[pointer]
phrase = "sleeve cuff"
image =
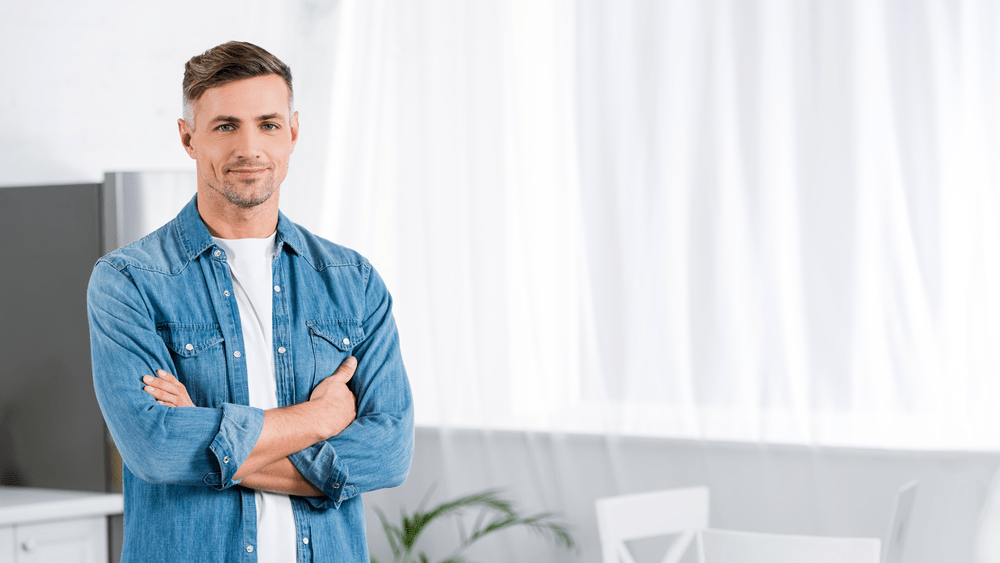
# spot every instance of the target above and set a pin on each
(320, 465)
(238, 433)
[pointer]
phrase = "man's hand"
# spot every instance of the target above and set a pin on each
(330, 409)
(339, 404)
(167, 390)
(332, 395)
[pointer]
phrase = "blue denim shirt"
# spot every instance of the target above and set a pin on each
(166, 302)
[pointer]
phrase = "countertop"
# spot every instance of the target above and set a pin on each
(21, 505)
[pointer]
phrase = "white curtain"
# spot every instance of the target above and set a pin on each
(769, 221)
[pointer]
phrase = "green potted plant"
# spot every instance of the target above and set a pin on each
(494, 514)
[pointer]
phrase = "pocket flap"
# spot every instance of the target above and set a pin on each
(189, 340)
(344, 335)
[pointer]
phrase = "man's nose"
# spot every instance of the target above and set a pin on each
(248, 144)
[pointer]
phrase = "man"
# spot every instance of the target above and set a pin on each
(249, 371)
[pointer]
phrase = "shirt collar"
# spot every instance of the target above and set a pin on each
(196, 239)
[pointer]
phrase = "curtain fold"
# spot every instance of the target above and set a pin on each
(757, 221)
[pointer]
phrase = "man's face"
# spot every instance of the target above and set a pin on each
(242, 139)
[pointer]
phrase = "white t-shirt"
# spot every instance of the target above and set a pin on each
(250, 264)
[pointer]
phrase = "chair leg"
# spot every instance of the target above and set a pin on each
(678, 548)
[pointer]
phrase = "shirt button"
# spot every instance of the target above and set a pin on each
(226, 293)
(347, 342)
(189, 347)
(281, 349)
(305, 541)
(249, 549)
(277, 288)
(225, 459)
(217, 254)
(336, 485)
(237, 353)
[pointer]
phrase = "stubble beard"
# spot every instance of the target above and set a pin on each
(242, 194)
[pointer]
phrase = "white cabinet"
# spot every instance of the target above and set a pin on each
(6, 544)
(83, 540)
(46, 526)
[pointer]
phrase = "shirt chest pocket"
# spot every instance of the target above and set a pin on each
(199, 360)
(332, 343)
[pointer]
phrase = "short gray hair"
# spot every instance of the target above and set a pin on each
(229, 62)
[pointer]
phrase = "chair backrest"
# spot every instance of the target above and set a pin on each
(645, 515)
(899, 525)
(726, 546)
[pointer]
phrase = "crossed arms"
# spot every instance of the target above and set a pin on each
(338, 444)
(329, 410)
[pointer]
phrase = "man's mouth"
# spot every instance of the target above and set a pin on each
(248, 172)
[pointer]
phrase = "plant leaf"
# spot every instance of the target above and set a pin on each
(551, 530)
(489, 499)
(427, 497)
(403, 538)
(539, 523)
(391, 532)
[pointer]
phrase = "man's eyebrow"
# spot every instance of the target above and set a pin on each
(231, 119)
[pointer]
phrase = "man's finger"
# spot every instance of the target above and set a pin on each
(168, 389)
(173, 387)
(346, 369)
(155, 382)
(160, 394)
(164, 374)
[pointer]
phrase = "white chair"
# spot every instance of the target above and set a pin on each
(986, 548)
(658, 513)
(726, 546)
(899, 524)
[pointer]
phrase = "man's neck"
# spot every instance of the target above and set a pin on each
(228, 221)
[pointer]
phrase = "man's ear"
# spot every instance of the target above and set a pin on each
(295, 129)
(186, 137)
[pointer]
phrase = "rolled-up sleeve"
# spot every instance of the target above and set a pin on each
(158, 443)
(376, 450)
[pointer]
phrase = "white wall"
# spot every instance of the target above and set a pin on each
(758, 487)
(92, 87)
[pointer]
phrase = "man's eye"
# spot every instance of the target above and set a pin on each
(269, 127)
(225, 127)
